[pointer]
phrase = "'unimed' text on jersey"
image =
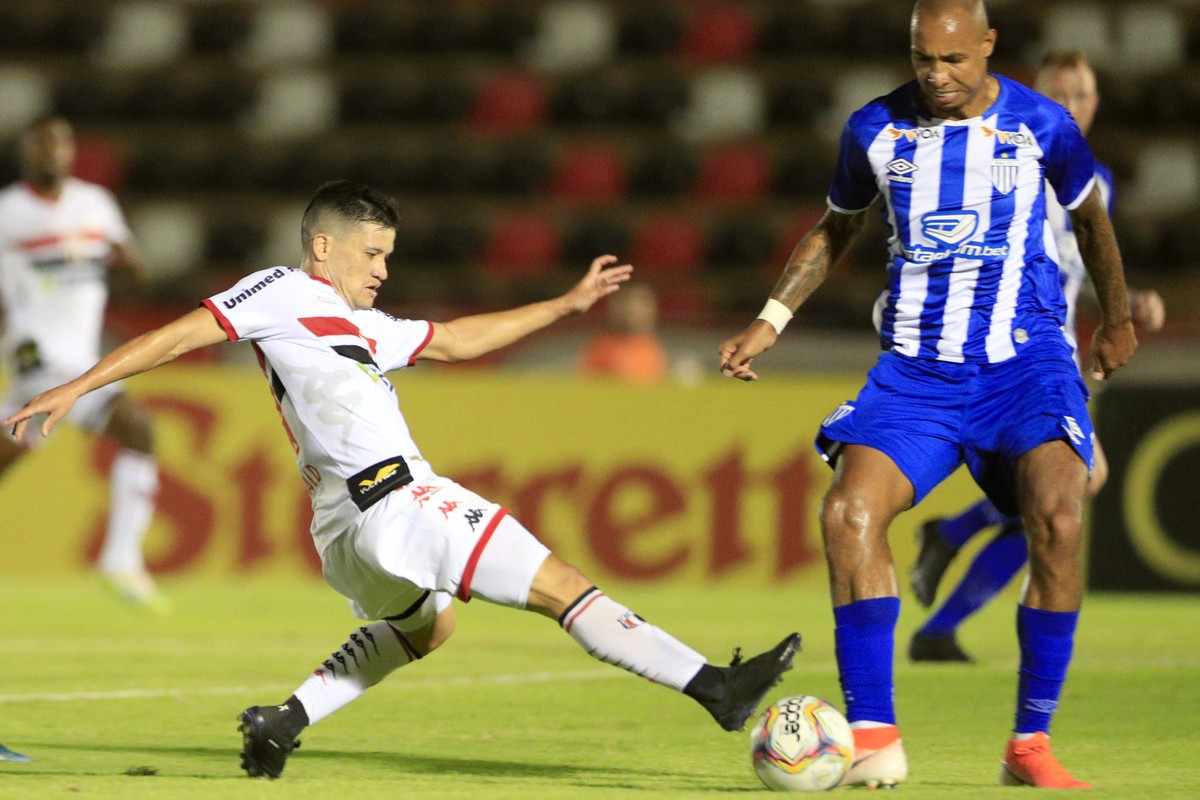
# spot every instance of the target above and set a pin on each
(53, 257)
(326, 365)
(969, 274)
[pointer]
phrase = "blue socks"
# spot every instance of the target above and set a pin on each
(1046, 639)
(958, 530)
(865, 634)
(994, 566)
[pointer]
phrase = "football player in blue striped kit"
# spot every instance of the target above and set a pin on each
(1065, 77)
(976, 368)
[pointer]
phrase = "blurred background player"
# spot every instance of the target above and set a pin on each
(977, 367)
(58, 236)
(12, 755)
(629, 348)
(1067, 78)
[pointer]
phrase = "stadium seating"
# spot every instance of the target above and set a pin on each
(523, 246)
(590, 173)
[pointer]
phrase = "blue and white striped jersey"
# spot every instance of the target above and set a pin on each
(969, 274)
(1071, 272)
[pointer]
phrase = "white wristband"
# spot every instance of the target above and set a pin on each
(777, 314)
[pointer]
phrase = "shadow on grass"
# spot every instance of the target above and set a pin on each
(396, 763)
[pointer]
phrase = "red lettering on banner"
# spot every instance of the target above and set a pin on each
(609, 537)
(253, 478)
(792, 481)
(303, 534)
(529, 500)
(726, 482)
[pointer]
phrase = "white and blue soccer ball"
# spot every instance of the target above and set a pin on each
(801, 744)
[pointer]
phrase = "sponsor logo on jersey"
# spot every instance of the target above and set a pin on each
(1004, 174)
(247, 293)
(371, 484)
(949, 227)
(913, 134)
(900, 170)
(919, 254)
(1018, 138)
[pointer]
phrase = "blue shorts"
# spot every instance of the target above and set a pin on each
(931, 416)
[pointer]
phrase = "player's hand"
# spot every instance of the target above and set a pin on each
(1112, 347)
(1147, 308)
(601, 280)
(55, 404)
(738, 353)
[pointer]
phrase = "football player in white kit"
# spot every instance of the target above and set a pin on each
(1067, 78)
(397, 539)
(58, 237)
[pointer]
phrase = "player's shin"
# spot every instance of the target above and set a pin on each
(612, 633)
(367, 657)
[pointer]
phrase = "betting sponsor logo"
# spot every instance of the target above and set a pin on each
(246, 294)
(949, 227)
(913, 134)
(900, 170)
(1018, 138)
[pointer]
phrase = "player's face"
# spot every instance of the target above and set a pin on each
(950, 56)
(1074, 88)
(358, 262)
(48, 152)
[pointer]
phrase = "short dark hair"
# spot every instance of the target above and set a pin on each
(1064, 59)
(351, 202)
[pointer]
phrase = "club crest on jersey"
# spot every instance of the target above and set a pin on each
(949, 227)
(900, 170)
(1004, 174)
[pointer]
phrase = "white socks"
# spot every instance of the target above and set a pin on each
(368, 656)
(617, 636)
(133, 484)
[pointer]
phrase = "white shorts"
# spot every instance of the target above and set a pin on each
(90, 412)
(432, 537)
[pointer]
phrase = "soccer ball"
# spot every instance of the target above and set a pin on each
(801, 744)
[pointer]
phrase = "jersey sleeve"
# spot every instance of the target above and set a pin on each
(256, 307)
(116, 229)
(853, 188)
(1070, 167)
(398, 342)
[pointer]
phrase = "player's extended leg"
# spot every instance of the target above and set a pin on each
(939, 541)
(615, 635)
(369, 654)
(133, 486)
(990, 571)
(1051, 480)
(868, 491)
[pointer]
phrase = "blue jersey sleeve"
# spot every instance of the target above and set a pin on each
(1070, 167)
(853, 188)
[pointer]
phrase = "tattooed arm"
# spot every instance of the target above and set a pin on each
(806, 269)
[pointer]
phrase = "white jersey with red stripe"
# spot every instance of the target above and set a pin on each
(53, 258)
(326, 365)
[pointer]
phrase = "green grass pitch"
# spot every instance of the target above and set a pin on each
(99, 695)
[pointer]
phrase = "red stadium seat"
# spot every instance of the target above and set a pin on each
(734, 174)
(523, 246)
(719, 35)
(98, 162)
(590, 173)
(509, 103)
(667, 245)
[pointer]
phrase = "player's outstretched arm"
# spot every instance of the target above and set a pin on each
(470, 337)
(806, 269)
(192, 331)
(1114, 341)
